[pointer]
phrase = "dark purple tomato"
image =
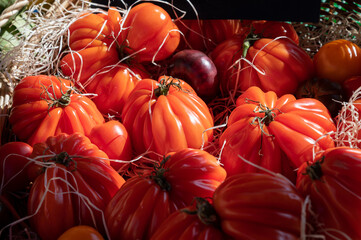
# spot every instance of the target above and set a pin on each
(198, 70)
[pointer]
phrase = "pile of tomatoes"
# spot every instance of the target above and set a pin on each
(130, 139)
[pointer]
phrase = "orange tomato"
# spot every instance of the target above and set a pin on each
(81, 232)
(338, 60)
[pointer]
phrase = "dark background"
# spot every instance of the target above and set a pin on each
(281, 10)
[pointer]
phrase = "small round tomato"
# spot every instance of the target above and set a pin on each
(338, 60)
(81, 232)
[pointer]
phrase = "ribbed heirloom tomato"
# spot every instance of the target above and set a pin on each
(166, 116)
(333, 181)
(73, 183)
(278, 134)
(146, 200)
(198, 221)
(148, 32)
(278, 65)
(259, 206)
(45, 106)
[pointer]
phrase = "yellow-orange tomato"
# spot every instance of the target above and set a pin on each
(338, 60)
(82, 232)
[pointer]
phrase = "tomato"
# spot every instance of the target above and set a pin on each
(145, 201)
(274, 29)
(197, 69)
(351, 85)
(205, 34)
(113, 139)
(45, 106)
(73, 187)
(112, 87)
(148, 32)
(198, 221)
(92, 45)
(329, 93)
(82, 232)
(338, 60)
(259, 206)
(165, 116)
(332, 181)
(13, 163)
(278, 134)
(225, 57)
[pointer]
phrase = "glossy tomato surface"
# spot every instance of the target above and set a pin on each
(45, 106)
(145, 201)
(338, 60)
(259, 206)
(278, 134)
(166, 116)
(149, 33)
(332, 181)
(73, 186)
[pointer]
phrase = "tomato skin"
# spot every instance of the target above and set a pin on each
(334, 189)
(113, 139)
(145, 201)
(259, 206)
(149, 27)
(205, 34)
(166, 123)
(274, 29)
(60, 186)
(35, 115)
(82, 232)
(351, 85)
(285, 138)
(338, 60)
(13, 161)
(92, 45)
(187, 224)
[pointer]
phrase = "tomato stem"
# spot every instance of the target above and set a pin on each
(315, 170)
(165, 84)
(64, 159)
(158, 175)
(205, 212)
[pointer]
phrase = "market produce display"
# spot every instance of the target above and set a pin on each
(126, 123)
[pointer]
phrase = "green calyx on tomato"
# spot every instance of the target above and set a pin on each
(205, 212)
(269, 114)
(64, 159)
(165, 84)
(314, 171)
(158, 175)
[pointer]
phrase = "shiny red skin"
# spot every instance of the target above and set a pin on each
(141, 204)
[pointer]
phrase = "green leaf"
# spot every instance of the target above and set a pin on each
(4, 4)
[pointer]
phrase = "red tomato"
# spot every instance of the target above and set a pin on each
(272, 65)
(274, 29)
(45, 106)
(166, 116)
(81, 232)
(113, 139)
(198, 221)
(148, 32)
(145, 201)
(13, 163)
(92, 45)
(278, 134)
(351, 85)
(332, 181)
(338, 60)
(259, 206)
(112, 87)
(205, 34)
(75, 184)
